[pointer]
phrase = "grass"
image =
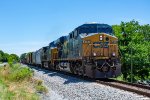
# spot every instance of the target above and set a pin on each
(17, 83)
(4, 93)
(120, 78)
(135, 78)
(39, 87)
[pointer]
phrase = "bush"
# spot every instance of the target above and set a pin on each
(41, 88)
(11, 89)
(39, 82)
(15, 72)
(20, 74)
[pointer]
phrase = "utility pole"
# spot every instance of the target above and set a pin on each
(131, 67)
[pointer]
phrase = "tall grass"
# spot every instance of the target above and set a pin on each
(15, 73)
(39, 87)
(16, 84)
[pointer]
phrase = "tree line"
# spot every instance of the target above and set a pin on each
(134, 46)
(5, 57)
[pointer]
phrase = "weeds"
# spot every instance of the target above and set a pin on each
(15, 73)
(40, 87)
(16, 83)
(20, 74)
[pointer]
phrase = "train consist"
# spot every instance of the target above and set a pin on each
(89, 50)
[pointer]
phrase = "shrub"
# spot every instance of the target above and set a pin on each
(20, 74)
(41, 88)
(11, 89)
(39, 82)
(15, 72)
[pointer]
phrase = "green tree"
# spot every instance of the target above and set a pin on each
(13, 58)
(5, 57)
(1, 55)
(23, 57)
(136, 38)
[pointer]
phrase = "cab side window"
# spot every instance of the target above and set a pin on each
(71, 36)
(75, 34)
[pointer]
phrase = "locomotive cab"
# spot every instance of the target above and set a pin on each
(101, 51)
(93, 51)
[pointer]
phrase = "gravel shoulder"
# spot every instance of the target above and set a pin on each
(63, 87)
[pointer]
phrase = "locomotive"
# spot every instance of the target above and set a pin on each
(89, 50)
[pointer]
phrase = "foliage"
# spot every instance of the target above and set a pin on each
(40, 87)
(39, 82)
(23, 57)
(4, 94)
(134, 44)
(1, 56)
(15, 83)
(12, 58)
(20, 74)
(16, 73)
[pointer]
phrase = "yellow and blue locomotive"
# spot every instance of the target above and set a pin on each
(89, 50)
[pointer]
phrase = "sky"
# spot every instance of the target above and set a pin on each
(28, 25)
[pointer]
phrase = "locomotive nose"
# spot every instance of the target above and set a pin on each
(105, 68)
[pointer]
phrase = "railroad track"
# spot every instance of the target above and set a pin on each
(136, 88)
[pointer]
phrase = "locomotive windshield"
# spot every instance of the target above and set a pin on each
(95, 28)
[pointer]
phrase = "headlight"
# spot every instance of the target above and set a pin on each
(113, 54)
(101, 54)
(94, 54)
(101, 37)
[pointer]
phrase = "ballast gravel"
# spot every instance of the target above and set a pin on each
(63, 87)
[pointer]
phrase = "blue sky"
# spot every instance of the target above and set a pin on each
(28, 25)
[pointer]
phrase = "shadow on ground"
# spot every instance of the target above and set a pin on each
(70, 78)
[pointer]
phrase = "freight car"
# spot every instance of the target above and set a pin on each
(89, 50)
(38, 57)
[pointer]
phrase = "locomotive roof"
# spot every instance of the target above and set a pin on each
(45, 47)
(94, 28)
(59, 40)
(86, 28)
(94, 24)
